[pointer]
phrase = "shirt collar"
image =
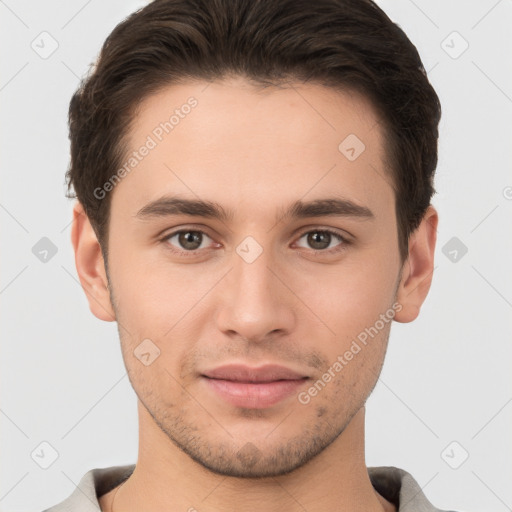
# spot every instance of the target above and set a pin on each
(394, 484)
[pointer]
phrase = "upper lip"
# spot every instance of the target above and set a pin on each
(242, 373)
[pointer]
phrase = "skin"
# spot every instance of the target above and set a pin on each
(253, 152)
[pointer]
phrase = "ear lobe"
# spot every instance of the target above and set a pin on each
(90, 265)
(418, 268)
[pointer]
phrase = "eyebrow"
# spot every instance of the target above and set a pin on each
(333, 207)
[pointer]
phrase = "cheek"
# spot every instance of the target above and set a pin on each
(350, 302)
(347, 298)
(148, 288)
(164, 304)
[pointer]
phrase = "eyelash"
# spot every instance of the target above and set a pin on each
(339, 248)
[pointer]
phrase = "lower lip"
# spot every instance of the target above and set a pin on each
(254, 395)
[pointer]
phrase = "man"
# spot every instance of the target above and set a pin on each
(254, 182)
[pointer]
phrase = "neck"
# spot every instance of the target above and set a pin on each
(165, 478)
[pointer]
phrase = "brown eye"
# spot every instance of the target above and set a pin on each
(320, 239)
(186, 240)
(190, 240)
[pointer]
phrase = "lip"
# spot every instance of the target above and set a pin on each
(253, 388)
(243, 373)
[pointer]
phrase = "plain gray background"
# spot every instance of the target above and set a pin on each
(445, 392)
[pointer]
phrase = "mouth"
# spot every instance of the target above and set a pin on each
(253, 388)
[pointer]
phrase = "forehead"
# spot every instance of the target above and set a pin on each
(236, 144)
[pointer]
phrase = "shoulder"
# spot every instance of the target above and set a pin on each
(92, 485)
(399, 487)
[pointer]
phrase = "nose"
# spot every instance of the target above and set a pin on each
(255, 301)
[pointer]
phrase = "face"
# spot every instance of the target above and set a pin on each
(246, 279)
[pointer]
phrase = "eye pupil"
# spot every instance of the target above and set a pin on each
(192, 240)
(319, 237)
(188, 239)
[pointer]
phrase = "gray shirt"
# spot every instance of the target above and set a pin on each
(396, 485)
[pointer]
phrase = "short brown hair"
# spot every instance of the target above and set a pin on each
(343, 44)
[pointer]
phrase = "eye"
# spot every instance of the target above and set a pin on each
(321, 239)
(186, 240)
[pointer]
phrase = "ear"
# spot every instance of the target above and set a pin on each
(418, 269)
(90, 265)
